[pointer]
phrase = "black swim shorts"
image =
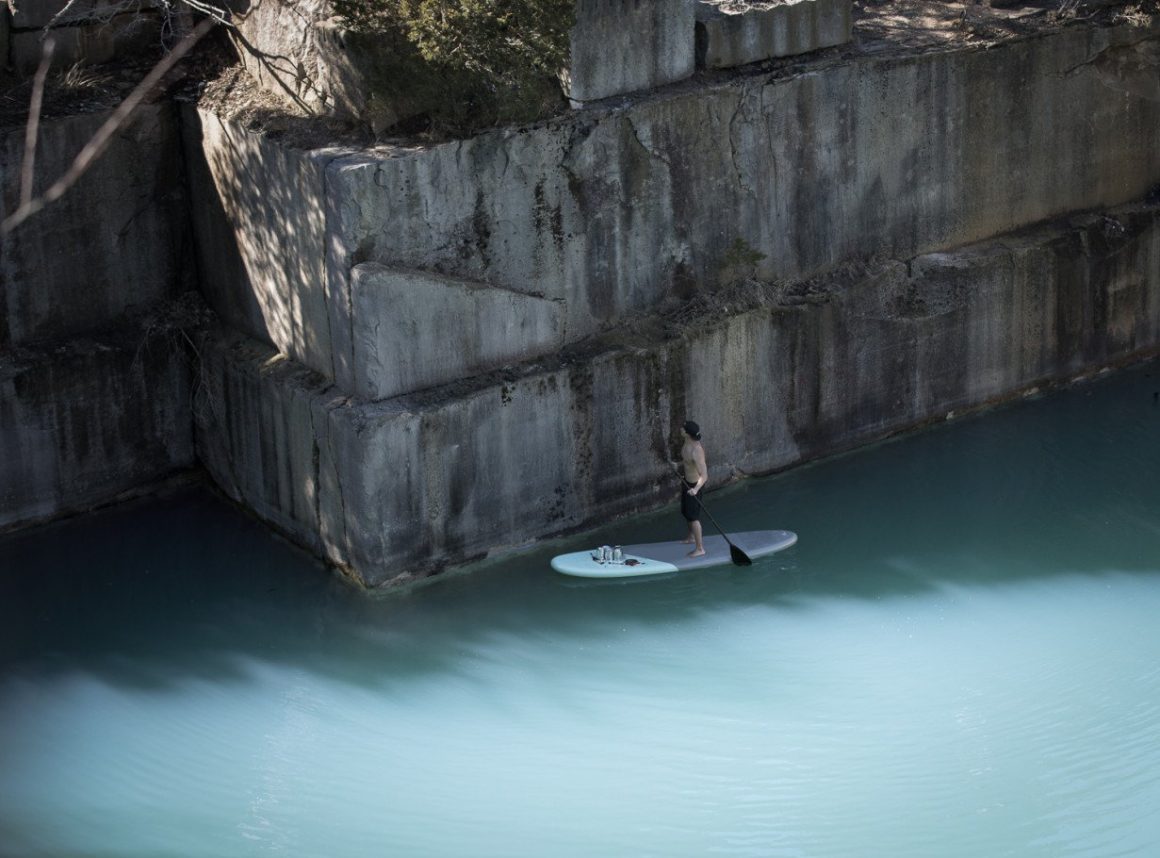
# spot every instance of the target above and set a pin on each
(690, 504)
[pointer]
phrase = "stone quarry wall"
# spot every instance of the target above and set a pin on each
(116, 243)
(621, 46)
(399, 488)
(94, 389)
(259, 215)
(85, 31)
(427, 354)
(365, 406)
(84, 422)
(728, 37)
(303, 53)
(614, 211)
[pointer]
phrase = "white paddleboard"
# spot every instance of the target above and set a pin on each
(660, 558)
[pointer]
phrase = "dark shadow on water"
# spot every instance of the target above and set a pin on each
(156, 593)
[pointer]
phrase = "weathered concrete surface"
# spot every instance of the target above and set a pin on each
(726, 38)
(398, 488)
(296, 50)
(414, 330)
(615, 210)
(84, 422)
(37, 14)
(623, 46)
(259, 216)
(94, 41)
(257, 434)
(114, 244)
(844, 364)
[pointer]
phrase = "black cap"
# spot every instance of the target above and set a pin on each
(692, 430)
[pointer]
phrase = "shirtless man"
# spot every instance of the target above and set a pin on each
(695, 475)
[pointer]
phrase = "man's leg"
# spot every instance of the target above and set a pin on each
(689, 512)
(695, 528)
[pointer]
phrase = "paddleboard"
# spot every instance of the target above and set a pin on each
(661, 558)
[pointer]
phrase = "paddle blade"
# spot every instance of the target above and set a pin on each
(740, 558)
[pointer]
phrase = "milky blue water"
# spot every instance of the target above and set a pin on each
(961, 657)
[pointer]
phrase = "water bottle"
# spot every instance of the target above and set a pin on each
(617, 555)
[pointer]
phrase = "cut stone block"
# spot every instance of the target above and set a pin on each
(414, 330)
(114, 244)
(615, 208)
(259, 211)
(35, 14)
(83, 423)
(392, 490)
(735, 34)
(92, 44)
(621, 46)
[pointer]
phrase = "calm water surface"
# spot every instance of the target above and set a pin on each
(961, 657)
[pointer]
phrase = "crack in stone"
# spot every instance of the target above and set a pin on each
(640, 142)
(737, 114)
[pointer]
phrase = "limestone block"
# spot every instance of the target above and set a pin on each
(414, 330)
(84, 423)
(616, 210)
(259, 214)
(36, 14)
(401, 488)
(621, 46)
(738, 382)
(256, 433)
(734, 34)
(99, 42)
(114, 244)
(385, 489)
(626, 410)
(278, 47)
(453, 478)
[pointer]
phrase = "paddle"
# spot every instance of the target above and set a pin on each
(739, 557)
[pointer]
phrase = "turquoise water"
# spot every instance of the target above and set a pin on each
(959, 658)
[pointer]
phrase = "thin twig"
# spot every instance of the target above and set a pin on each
(27, 169)
(100, 141)
(218, 13)
(64, 11)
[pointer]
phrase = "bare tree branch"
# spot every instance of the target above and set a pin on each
(219, 13)
(100, 141)
(28, 168)
(61, 14)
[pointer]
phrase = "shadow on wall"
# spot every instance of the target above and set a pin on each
(259, 220)
(154, 594)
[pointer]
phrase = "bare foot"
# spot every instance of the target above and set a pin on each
(700, 552)
(688, 541)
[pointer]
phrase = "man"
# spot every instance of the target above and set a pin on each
(695, 475)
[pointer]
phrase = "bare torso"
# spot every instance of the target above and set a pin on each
(693, 463)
